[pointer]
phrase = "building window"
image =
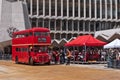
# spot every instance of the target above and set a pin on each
(91, 26)
(64, 7)
(82, 8)
(92, 8)
(98, 9)
(87, 8)
(46, 7)
(70, 8)
(34, 7)
(46, 23)
(75, 35)
(58, 7)
(53, 7)
(40, 22)
(52, 24)
(108, 9)
(76, 8)
(103, 25)
(112, 25)
(63, 35)
(70, 25)
(75, 25)
(118, 6)
(103, 8)
(87, 26)
(52, 35)
(113, 9)
(107, 25)
(80, 25)
(97, 25)
(58, 25)
(69, 36)
(40, 7)
(57, 36)
(34, 20)
(64, 25)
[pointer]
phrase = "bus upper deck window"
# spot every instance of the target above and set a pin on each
(44, 33)
(37, 34)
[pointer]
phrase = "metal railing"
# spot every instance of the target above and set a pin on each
(5, 56)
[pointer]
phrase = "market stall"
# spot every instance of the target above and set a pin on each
(86, 41)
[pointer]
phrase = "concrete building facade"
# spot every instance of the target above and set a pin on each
(70, 18)
(13, 17)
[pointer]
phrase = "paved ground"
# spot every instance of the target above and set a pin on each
(11, 71)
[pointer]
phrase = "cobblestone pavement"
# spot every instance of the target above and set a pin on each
(11, 71)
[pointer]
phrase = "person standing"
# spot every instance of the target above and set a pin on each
(68, 55)
(62, 57)
(56, 56)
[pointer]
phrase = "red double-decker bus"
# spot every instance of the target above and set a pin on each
(31, 46)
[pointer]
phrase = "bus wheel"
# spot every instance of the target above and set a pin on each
(31, 62)
(16, 60)
(48, 63)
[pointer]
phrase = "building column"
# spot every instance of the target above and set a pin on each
(72, 26)
(37, 22)
(43, 23)
(56, 8)
(54, 36)
(55, 25)
(43, 7)
(89, 26)
(116, 4)
(66, 25)
(60, 25)
(49, 24)
(73, 8)
(90, 9)
(111, 9)
(67, 8)
(83, 26)
(84, 8)
(37, 7)
(49, 7)
(105, 9)
(100, 9)
(79, 8)
(101, 25)
(61, 8)
(94, 26)
(95, 9)
(78, 26)
(60, 36)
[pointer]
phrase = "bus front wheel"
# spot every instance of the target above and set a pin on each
(31, 62)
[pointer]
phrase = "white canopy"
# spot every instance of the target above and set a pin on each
(114, 44)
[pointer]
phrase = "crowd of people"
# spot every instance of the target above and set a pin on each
(61, 56)
(113, 59)
(66, 55)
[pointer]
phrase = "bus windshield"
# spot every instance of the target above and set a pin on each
(41, 33)
(40, 48)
